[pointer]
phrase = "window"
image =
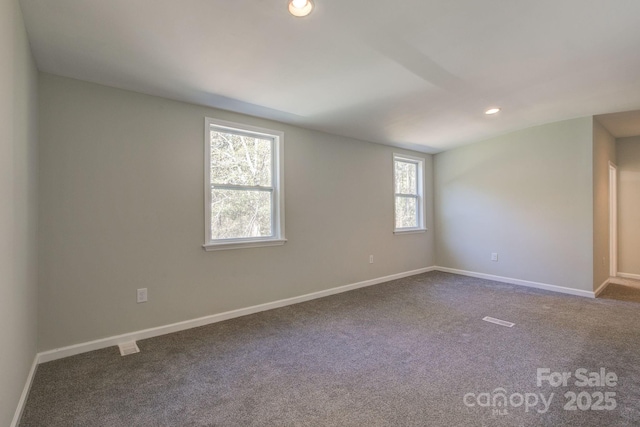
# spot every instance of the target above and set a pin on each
(408, 184)
(244, 199)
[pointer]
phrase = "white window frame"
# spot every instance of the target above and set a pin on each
(420, 206)
(277, 187)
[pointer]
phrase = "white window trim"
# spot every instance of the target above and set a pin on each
(420, 202)
(409, 230)
(277, 184)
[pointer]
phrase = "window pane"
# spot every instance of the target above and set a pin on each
(240, 159)
(406, 174)
(240, 213)
(406, 212)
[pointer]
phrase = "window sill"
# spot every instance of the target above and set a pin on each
(242, 245)
(410, 231)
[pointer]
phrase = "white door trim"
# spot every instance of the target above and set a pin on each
(613, 220)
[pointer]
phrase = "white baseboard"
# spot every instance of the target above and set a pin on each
(602, 287)
(25, 393)
(545, 286)
(629, 276)
(72, 350)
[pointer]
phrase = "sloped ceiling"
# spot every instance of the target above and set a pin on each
(413, 73)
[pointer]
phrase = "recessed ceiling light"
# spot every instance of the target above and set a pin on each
(300, 8)
(492, 111)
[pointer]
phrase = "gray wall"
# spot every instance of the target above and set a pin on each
(122, 208)
(528, 196)
(18, 212)
(628, 159)
(604, 151)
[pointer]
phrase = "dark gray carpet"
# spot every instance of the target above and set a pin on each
(403, 353)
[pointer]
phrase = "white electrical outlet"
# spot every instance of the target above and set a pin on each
(494, 256)
(142, 295)
(370, 259)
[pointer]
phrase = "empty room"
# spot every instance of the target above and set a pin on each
(319, 213)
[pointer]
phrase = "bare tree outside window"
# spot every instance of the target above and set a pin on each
(407, 175)
(241, 185)
(406, 194)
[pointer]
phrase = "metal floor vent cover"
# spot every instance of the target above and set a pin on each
(127, 348)
(498, 322)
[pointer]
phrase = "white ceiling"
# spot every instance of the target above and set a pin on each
(414, 73)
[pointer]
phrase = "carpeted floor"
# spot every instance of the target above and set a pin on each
(622, 290)
(411, 352)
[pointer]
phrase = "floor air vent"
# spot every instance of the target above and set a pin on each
(498, 322)
(127, 348)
